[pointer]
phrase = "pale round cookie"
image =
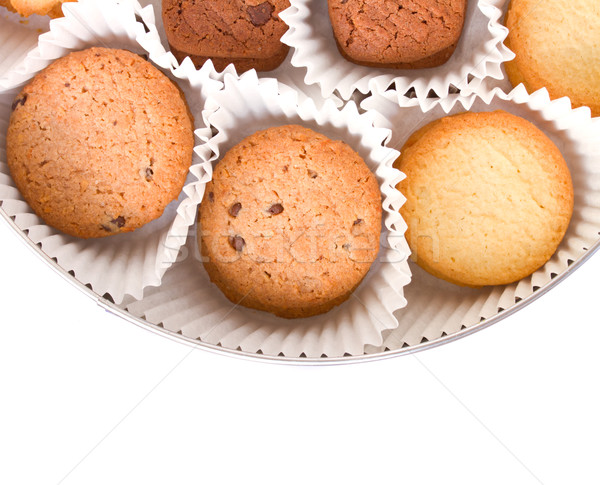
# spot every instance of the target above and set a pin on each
(489, 198)
(100, 142)
(557, 46)
(290, 223)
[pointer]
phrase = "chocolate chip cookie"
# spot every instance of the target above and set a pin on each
(99, 142)
(290, 223)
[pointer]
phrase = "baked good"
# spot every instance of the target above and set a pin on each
(245, 32)
(290, 223)
(53, 8)
(99, 142)
(489, 198)
(557, 46)
(412, 34)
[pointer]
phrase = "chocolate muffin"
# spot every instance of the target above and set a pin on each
(246, 33)
(407, 34)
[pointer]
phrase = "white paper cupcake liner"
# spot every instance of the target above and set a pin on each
(285, 73)
(437, 308)
(126, 263)
(478, 54)
(189, 304)
(15, 43)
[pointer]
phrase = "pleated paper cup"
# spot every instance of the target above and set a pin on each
(126, 263)
(16, 42)
(437, 308)
(478, 54)
(286, 73)
(189, 304)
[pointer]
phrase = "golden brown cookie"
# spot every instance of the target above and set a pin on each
(245, 32)
(557, 46)
(53, 8)
(489, 198)
(412, 34)
(99, 142)
(290, 223)
(7, 4)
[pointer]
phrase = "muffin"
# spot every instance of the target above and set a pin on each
(243, 32)
(99, 142)
(53, 8)
(489, 198)
(379, 33)
(557, 46)
(290, 223)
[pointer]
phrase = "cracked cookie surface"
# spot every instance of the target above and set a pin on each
(245, 32)
(489, 198)
(400, 34)
(290, 223)
(99, 142)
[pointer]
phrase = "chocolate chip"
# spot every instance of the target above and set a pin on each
(211, 196)
(105, 228)
(237, 243)
(275, 209)
(67, 85)
(149, 174)
(19, 101)
(119, 221)
(312, 174)
(357, 222)
(115, 123)
(286, 168)
(346, 246)
(235, 209)
(260, 14)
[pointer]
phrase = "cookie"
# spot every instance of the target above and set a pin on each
(489, 198)
(412, 34)
(7, 4)
(245, 32)
(53, 8)
(557, 46)
(290, 223)
(99, 142)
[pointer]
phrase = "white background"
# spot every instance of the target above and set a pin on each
(87, 398)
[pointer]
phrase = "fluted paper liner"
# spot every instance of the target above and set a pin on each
(478, 54)
(17, 37)
(437, 308)
(125, 263)
(189, 304)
